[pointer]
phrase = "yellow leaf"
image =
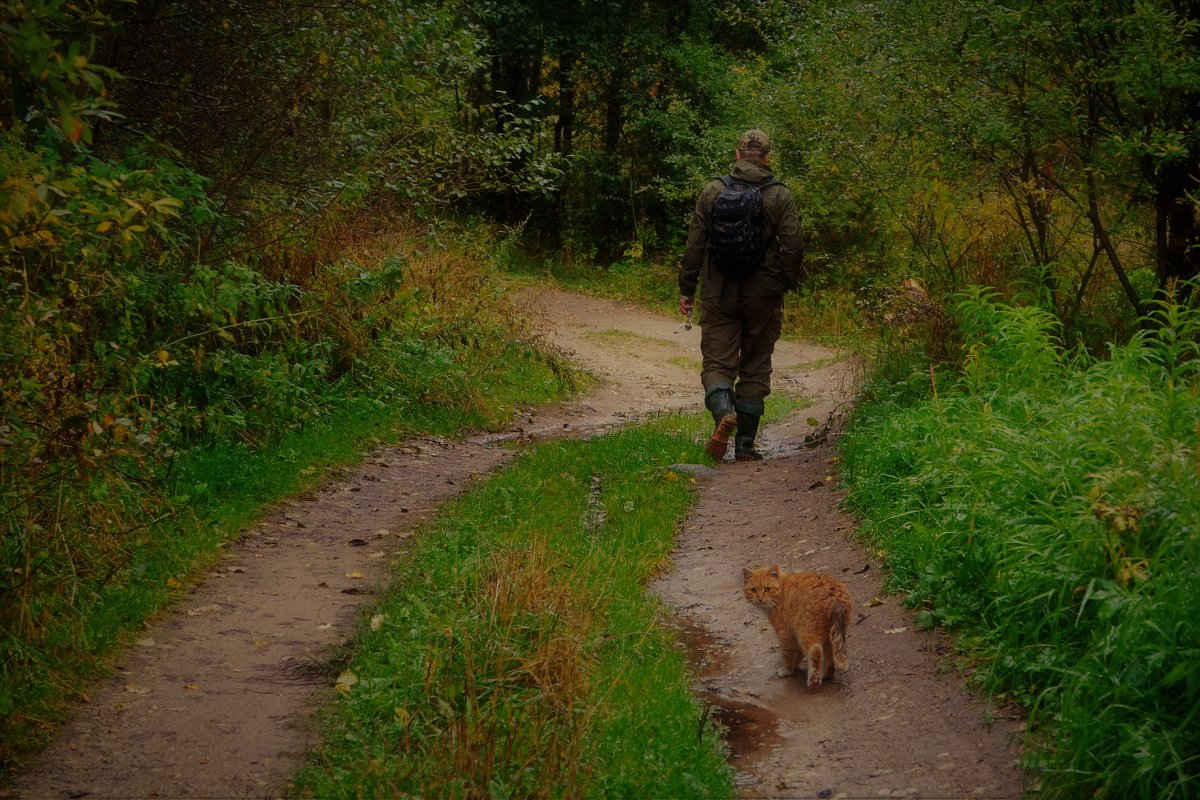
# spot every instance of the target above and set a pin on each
(354, 574)
(323, 58)
(346, 680)
(80, 62)
(191, 687)
(104, 226)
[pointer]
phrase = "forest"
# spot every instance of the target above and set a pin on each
(224, 223)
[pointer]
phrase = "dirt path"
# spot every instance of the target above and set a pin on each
(215, 697)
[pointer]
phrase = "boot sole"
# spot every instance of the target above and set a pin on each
(719, 443)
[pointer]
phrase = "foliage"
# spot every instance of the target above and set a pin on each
(517, 653)
(1046, 506)
(48, 76)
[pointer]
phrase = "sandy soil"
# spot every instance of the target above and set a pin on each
(214, 698)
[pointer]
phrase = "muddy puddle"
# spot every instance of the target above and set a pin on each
(750, 729)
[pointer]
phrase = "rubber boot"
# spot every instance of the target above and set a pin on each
(719, 401)
(743, 442)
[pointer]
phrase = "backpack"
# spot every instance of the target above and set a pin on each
(735, 239)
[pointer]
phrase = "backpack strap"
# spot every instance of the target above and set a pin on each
(729, 180)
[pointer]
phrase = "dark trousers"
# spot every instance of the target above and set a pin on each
(737, 339)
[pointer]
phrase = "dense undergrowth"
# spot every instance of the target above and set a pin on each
(1046, 505)
(517, 655)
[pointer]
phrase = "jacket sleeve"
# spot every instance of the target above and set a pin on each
(695, 251)
(790, 240)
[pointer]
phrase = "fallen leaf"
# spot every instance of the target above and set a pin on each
(377, 621)
(874, 601)
(325, 626)
(191, 687)
(346, 680)
(134, 688)
(895, 630)
(354, 574)
(198, 610)
(146, 641)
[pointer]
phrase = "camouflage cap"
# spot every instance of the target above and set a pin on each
(755, 140)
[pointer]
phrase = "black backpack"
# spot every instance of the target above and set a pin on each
(735, 238)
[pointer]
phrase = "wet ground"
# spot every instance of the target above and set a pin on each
(898, 723)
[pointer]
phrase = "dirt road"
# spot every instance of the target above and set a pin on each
(214, 698)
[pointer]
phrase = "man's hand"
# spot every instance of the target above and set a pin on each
(685, 304)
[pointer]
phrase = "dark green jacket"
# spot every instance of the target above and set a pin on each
(785, 247)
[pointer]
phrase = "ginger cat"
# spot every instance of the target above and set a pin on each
(810, 613)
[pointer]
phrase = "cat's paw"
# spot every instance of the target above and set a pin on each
(784, 672)
(814, 680)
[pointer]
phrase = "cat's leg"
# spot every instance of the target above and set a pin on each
(787, 645)
(815, 652)
(791, 655)
(830, 663)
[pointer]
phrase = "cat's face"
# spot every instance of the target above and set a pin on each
(762, 586)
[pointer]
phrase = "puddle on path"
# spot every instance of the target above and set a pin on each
(750, 729)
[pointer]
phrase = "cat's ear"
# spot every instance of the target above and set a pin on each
(746, 573)
(774, 571)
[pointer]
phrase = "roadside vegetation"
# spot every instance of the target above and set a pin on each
(1045, 504)
(168, 461)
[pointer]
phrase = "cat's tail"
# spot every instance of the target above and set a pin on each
(837, 636)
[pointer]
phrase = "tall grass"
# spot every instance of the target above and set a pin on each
(517, 655)
(1047, 505)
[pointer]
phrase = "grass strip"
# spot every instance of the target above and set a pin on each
(517, 653)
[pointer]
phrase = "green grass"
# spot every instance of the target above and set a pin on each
(204, 499)
(1047, 507)
(517, 654)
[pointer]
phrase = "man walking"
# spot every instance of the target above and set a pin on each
(744, 250)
